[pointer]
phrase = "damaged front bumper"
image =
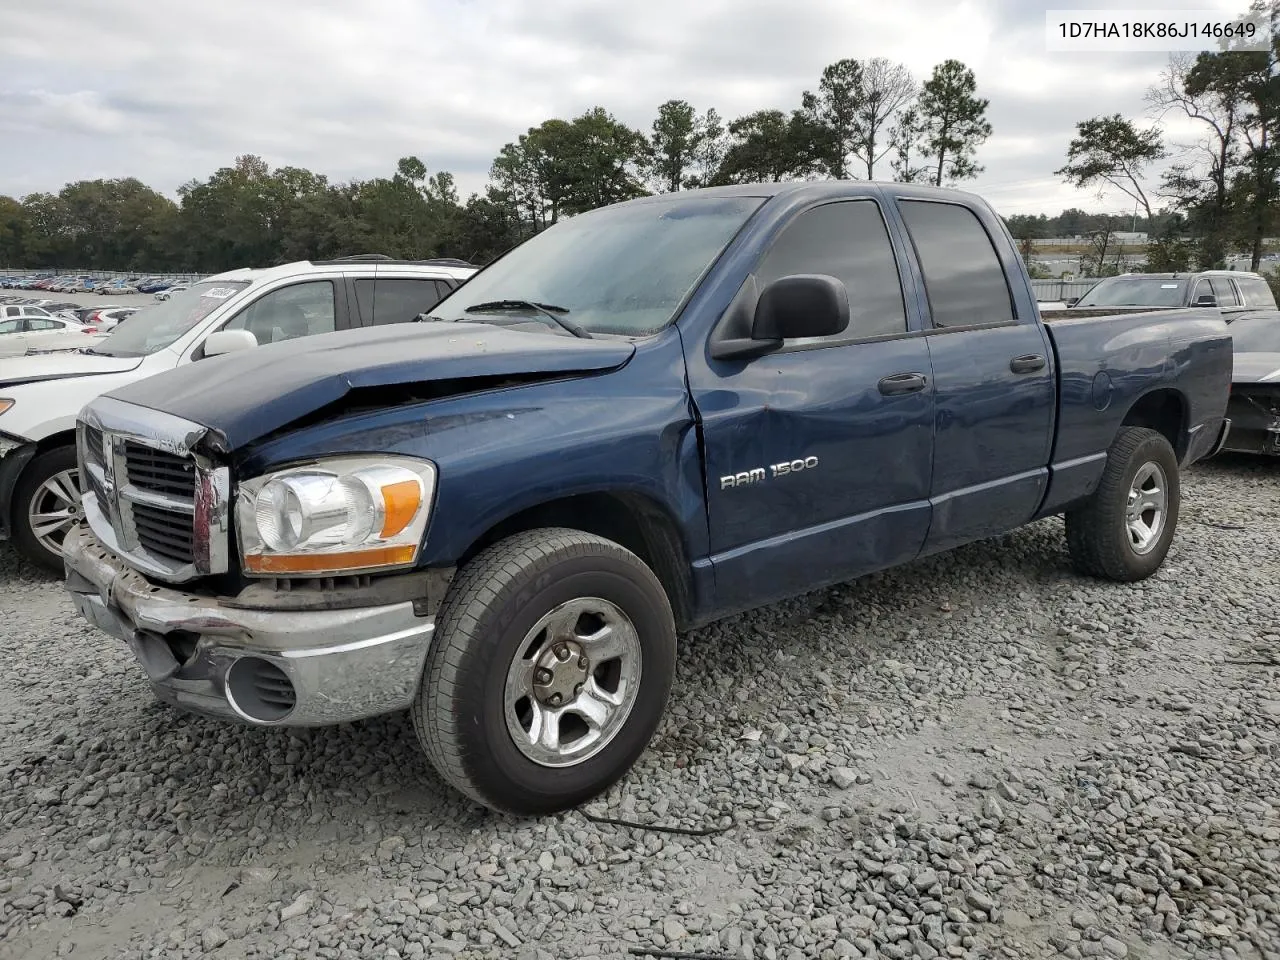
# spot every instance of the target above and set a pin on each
(277, 667)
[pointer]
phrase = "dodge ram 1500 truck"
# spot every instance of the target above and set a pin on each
(642, 419)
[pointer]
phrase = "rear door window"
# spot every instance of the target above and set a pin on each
(1224, 291)
(963, 278)
(1256, 292)
(400, 299)
(364, 299)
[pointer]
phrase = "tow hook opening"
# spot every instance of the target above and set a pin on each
(259, 691)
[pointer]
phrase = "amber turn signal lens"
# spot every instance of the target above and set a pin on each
(331, 562)
(400, 501)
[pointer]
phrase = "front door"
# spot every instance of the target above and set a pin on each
(818, 456)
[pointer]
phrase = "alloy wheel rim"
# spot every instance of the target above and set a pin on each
(1147, 508)
(572, 682)
(54, 508)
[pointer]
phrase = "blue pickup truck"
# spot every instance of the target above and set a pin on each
(645, 418)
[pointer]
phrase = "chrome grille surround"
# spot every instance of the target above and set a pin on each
(146, 516)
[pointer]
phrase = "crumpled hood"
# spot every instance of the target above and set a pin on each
(244, 396)
(1256, 368)
(54, 366)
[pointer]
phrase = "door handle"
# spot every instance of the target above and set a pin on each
(1027, 363)
(903, 383)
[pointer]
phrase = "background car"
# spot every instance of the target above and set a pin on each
(1254, 406)
(22, 335)
(167, 292)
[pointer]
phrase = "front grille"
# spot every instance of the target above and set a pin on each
(164, 532)
(151, 500)
(160, 471)
(93, 458)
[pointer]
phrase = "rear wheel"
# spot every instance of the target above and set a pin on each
(549, 672)
(46, 502)
(1124, 530)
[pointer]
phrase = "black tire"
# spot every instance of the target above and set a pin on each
(39, 470)
(492, 604)
(1098, 536)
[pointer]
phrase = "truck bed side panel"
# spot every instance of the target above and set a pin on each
(1106, 365)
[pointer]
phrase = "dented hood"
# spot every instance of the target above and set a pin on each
(244, 396)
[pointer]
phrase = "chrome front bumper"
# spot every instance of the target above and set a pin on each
(342, 664)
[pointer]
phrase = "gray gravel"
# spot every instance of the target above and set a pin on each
(978, 755)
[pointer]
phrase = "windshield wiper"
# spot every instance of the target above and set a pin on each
(546, 309)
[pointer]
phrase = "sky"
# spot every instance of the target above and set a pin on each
(171, 90)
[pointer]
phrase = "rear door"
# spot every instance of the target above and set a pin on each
(818, 455)
(993, 380)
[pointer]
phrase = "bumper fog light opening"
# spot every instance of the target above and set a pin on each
(259, 691)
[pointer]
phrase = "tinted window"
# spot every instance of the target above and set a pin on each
(399, 300)
(300, 310)
(1225, 293)
(1256, 292)
(37, 323)
(364, 299)
(10, 326)
(848, 241)
(962, 274)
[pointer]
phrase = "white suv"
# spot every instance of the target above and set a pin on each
(40, 395)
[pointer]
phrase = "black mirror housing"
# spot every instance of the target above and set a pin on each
(804, 305)
(1206, 300)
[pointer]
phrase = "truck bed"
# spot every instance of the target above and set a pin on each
(1106, 364)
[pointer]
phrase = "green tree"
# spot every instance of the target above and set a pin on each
(953, 123)
(833, 113)
(770, 146)
(13, 228)
(673, 144)
(904, 148)
(1111, 152)
(708, 153)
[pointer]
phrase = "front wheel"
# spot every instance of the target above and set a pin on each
(1124, 530)
(46, 502)
(549, 671)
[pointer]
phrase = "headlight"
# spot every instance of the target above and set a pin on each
(5, 405)
(348, 515)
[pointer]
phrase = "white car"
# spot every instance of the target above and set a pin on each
(28, 334)
(40, 395)
(106, 318)
(22, 310)
(168, 292)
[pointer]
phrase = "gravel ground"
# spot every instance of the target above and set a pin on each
(977, 755)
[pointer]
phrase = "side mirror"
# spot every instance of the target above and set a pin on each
(805, 305)
(228, 341)
(1206, 300)
(1071, 301)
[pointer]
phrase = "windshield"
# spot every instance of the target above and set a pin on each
(155, 327)
(1256, 335)
(623, 269)
(1135, 292)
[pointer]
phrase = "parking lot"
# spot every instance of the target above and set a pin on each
(977, 755)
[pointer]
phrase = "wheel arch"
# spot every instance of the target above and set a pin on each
(1164, 410)
(635, 521)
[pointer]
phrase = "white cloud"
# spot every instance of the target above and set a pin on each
(173, 92)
